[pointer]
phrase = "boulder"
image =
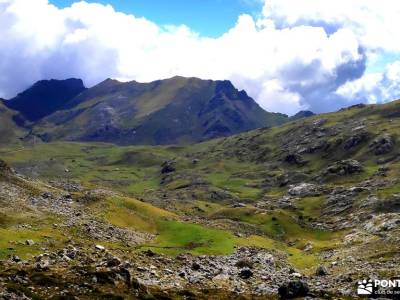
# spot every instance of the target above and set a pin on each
(168, 167)
(304, 190)
(29, 242)
(321, 271)
(345, 167)
(113, 262)
(293, 289)
(42, 265)
(100, 248)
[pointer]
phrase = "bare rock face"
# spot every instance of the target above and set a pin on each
(382, 145)
(356, 140)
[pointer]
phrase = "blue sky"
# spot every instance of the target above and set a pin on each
(208, 17)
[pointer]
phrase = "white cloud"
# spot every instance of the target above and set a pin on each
(376, 23)
(375, 87)
(288, 59)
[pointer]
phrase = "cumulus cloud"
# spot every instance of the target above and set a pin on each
(374, 87)
(295, 55)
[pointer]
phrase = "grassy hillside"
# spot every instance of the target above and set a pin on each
(10, 132)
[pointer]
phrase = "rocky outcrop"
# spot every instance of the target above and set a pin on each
(305, 190)
(168, 167)
(356, 139)
(344, 167)
(382, 145)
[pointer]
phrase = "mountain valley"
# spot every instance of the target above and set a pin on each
(307, 208)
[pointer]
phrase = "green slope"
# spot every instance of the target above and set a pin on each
(10, 132)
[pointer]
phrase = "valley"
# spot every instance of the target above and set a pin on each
(308, 207)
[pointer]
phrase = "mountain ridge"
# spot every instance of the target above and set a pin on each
(170, 111)
(45, 97)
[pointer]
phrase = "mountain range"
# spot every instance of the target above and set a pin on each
(173, 111)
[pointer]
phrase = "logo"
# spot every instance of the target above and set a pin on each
(382, 287)
(365, 287)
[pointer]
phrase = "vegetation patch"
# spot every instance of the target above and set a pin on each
(176, 237)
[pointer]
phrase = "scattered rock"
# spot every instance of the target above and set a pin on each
(42, 265)
(16, 259)
(244, 263)
(100, 248)
(321, 271)
(196, 266)
(239, 205)
(113, 262)
(246, 273)
(29, 242)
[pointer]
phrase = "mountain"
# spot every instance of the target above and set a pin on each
(45, 97)
(302, 114)
(172, 111)
(9, 130)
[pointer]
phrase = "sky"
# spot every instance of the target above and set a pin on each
(289, 55)
(210, 18)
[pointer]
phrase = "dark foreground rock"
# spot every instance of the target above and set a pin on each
(294, 289)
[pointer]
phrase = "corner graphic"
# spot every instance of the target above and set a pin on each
(365, 287)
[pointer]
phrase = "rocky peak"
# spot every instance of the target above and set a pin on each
(302, 114)
(45, 97)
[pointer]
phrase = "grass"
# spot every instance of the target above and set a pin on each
(281, 226)
(311, 206)
(237, 186)
(177, 237)
(132, 214)
(12, 241)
